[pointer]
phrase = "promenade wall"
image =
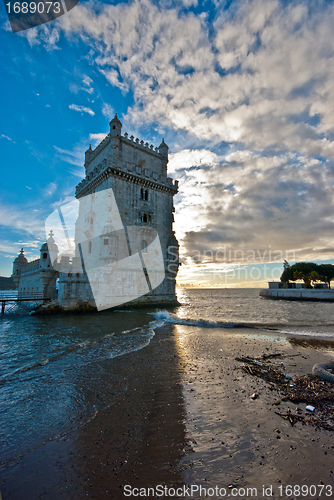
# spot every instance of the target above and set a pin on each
(298, 294)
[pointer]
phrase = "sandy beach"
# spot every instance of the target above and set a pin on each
(182, 414)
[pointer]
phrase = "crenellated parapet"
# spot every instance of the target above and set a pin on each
(131, 173)
(91, 154)
(130, 149)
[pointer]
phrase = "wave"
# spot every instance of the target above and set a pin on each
(110, 349)
(166, 317)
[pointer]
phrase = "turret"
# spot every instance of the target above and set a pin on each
(88, 156)
(163, 150)
(49, 253)
(115, 132)
(20, 261)
(115, 127)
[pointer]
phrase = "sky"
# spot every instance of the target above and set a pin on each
(242, 92)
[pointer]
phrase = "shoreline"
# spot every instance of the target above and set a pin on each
(183, 414)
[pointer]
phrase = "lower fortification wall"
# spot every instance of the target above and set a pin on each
(74, 292)
(38, 282)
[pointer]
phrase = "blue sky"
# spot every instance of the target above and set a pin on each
(242, 92)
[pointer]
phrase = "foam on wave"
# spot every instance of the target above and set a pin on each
(165, 317)
(146, 333)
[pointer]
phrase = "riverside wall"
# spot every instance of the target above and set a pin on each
(298, 294)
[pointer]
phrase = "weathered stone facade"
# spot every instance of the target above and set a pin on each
(137, 175)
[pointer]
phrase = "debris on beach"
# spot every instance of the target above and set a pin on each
(254, 396)
(291, 417)
(318, 394)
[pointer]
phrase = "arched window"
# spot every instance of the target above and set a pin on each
(143, 246)
(144, 218)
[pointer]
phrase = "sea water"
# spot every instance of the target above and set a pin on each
(53, 380)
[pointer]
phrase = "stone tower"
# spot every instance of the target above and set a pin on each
(137, 174)
(18, 265)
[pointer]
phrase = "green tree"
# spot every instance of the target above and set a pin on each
(303, 271)
(315, 277)
(306, 271)
(287, 274)
(327, 273)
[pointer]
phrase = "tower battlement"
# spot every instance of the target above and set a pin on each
(126, 154)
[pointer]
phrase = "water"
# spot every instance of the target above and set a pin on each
(53, 375)
(243, 307)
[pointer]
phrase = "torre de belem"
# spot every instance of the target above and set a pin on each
(135, 210)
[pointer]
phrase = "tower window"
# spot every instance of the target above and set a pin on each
(45, 255)
(146, 195)
(141, 194)
(143, 246)
(113, 127)
(105, 241)
(89, 247)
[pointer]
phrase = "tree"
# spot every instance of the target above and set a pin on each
(303, 271)
(327, 273)
(306, 271)
(287, 274)
(314, 277)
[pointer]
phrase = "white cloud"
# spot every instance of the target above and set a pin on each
(7, 247)
(48, 35)
(50, 189)
(256, 84)
(85, 86)
(74, 157)
(259, 74)
(108, 111)
(23, 219)
(260, 77)
(3, 136)
(87, 81)
(82, 109)
(187, 158)
(252, 201)
(97, 138)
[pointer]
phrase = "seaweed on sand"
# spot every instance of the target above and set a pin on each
(304, 389)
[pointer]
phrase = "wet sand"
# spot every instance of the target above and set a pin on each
(240, 441)
(182, 414)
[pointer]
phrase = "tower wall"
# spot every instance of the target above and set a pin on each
(137, 175)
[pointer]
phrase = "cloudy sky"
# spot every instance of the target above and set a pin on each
(242, 92)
